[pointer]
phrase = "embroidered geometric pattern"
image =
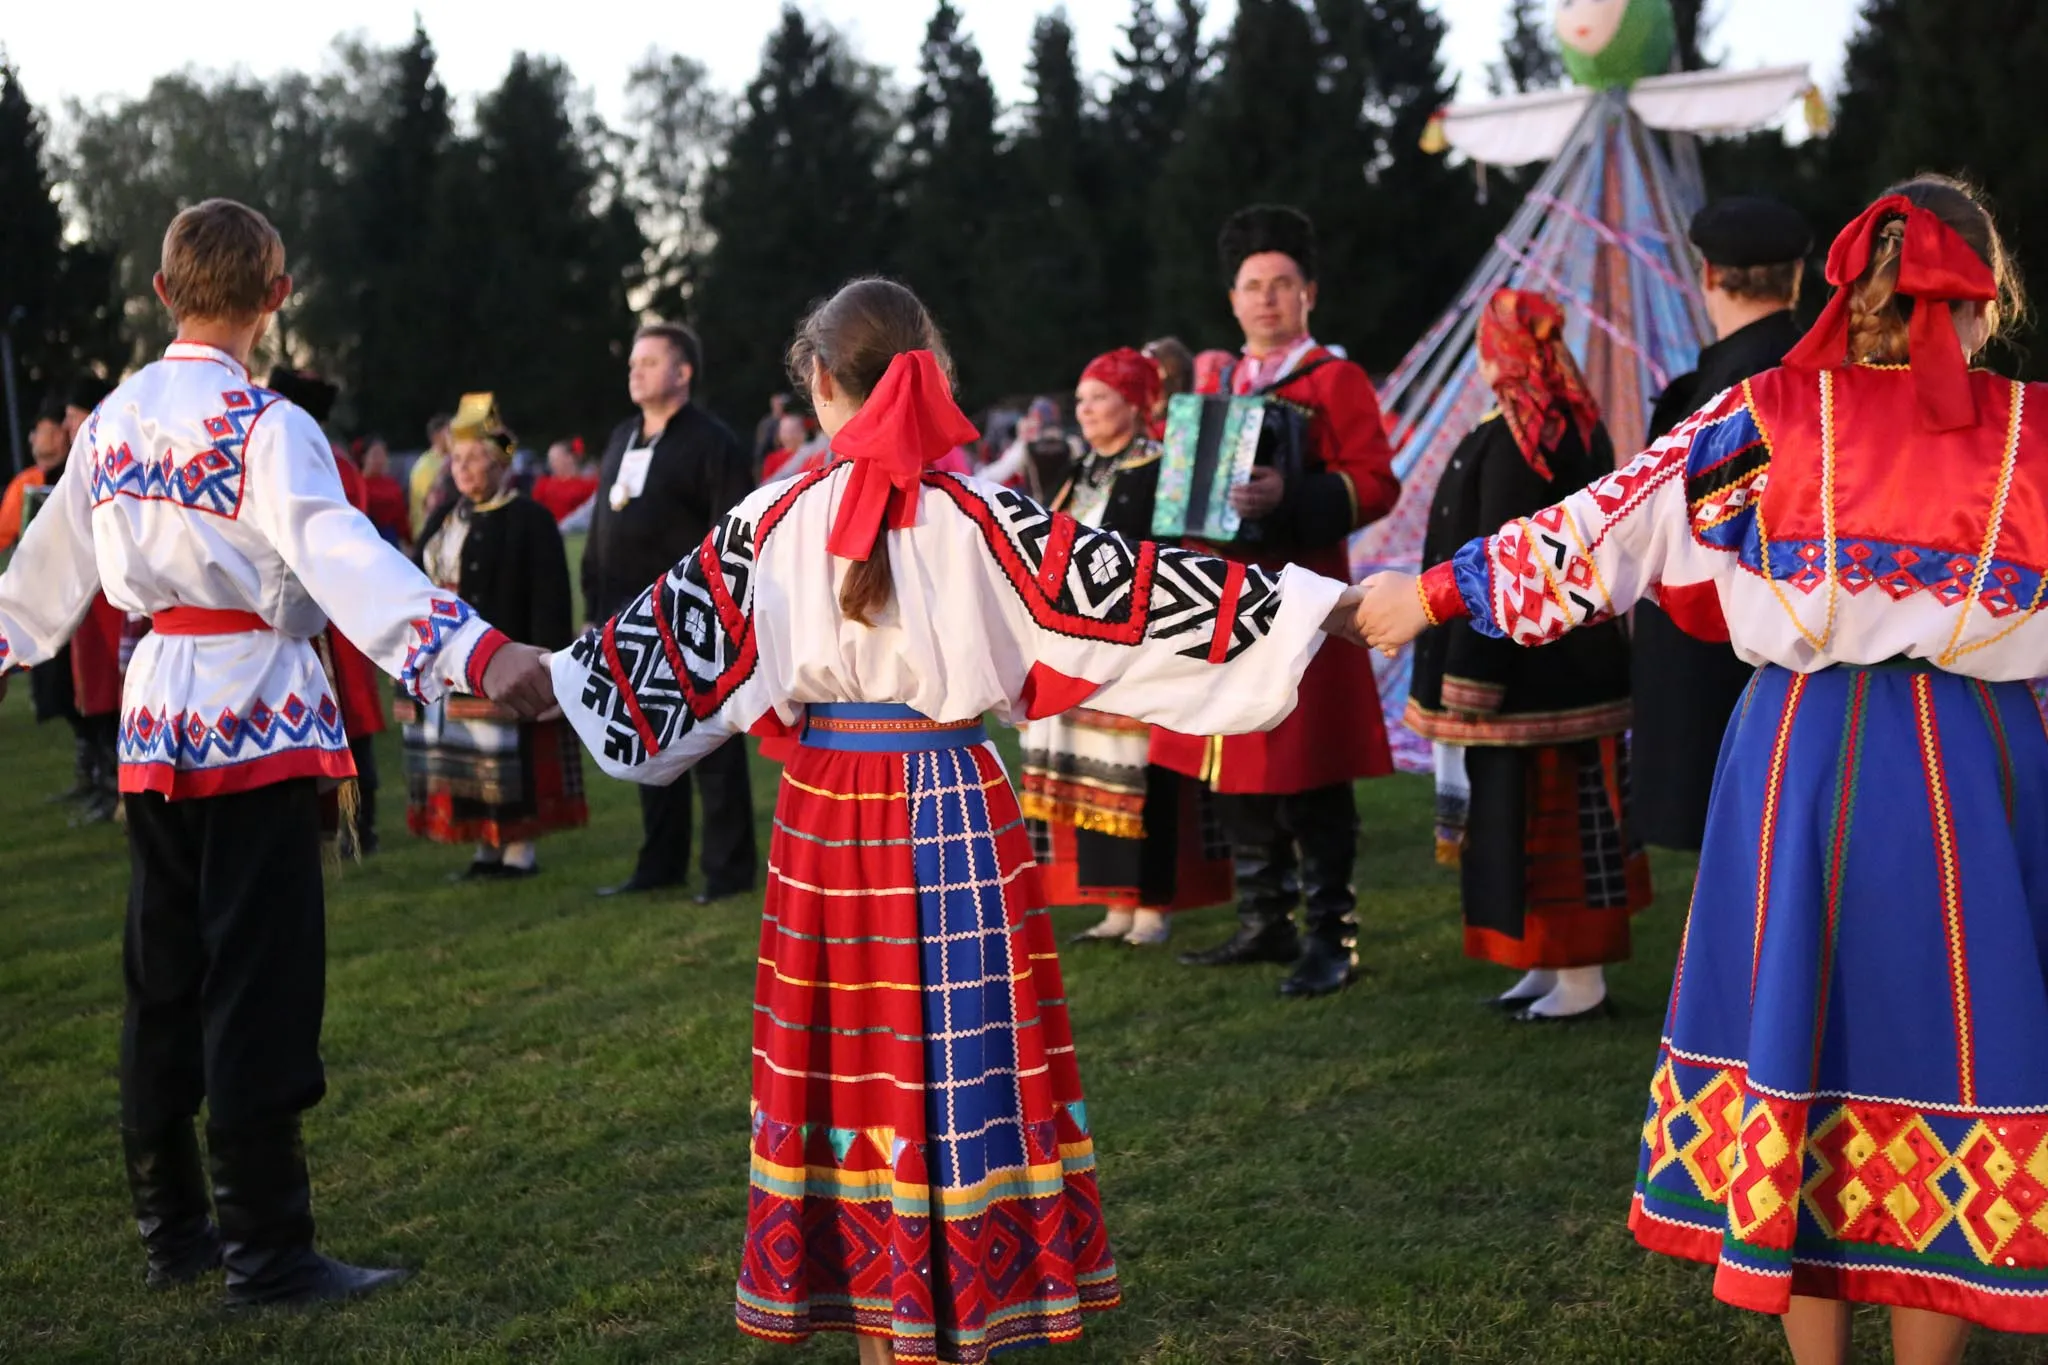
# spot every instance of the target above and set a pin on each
(1899, 571)
(1851, 1182)
(211, 481)
(190, 740)
(1095, 585)
(429, 634)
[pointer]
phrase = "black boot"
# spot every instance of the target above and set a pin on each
(265, 1203)
(171, 1212)
(83, 784)
(1266, 895)
(1326, 823)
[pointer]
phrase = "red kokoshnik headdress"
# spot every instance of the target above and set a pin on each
(1936, 268)
(908, 423)
(1541, 392)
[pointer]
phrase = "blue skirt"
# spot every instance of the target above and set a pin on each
(1851, 1100)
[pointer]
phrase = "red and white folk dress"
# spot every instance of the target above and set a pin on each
(922, 1164)
(1852, 1096)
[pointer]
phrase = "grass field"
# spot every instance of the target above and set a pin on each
(540, 1100)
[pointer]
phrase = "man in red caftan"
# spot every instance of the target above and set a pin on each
(1286, 797)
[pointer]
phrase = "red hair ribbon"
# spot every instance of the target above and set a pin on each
(1936, 267)
(909, 422)
(1132, 374)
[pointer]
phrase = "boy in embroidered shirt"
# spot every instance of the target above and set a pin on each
(214, 507)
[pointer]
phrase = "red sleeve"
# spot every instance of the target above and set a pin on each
(1351, 439)
(1441, 600)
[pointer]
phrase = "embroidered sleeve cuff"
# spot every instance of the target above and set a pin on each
(480, 659)
(1473, 697)
(1470, 592)
(1439, 591)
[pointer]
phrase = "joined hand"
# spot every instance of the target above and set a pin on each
(1390, 612)
(518, 677)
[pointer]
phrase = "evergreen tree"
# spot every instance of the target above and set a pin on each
(55, 300)
(1528, 50)
(1324, 108)
(552, 251)
(1693, 26)
(676, 123)
(1143, 119)
(1043, 271)
(794, 207)
(396, 315)
(950, 180)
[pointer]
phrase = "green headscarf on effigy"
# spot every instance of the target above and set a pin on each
(1611, 43)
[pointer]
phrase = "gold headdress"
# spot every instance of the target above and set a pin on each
(477, 419)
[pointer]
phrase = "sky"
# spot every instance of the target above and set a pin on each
(129, 42)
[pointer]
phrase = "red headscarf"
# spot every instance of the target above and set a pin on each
(1132, 374)
(1541, 392)
(908, 423)
(1936, 267)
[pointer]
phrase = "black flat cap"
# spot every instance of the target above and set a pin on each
(1746, 229)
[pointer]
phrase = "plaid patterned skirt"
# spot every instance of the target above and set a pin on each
(921, 1163)
(476, 775)
(1852, 1097)
(1549, 871)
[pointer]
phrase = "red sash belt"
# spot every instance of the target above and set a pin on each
(206, 621)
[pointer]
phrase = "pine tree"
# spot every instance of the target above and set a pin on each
(676, 123)
(1143, 120)
(1324, 108)
(949, 182)
(794, 206)
(1528, 50)
(553, 251)
(398, 311)
(1043, 270)
(1693, 25)
(31, 241)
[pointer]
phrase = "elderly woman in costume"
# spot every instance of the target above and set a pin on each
(922, 1170)
(1850, 1103)
(476, 774)
(1110, 828)
(1548, 870)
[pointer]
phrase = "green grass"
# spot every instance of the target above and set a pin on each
(540, 1100)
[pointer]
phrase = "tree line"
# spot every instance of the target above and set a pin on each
(515, 245)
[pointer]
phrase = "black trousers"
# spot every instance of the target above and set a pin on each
(225, 957)
(1284, 846)
(730, 856)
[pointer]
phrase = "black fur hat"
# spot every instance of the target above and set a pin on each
(1267, 227)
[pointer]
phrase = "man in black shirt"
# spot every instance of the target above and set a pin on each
(669, 476)
(1685, 689)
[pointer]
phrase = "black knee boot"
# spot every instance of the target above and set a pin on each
(1325, 822)
(1267, 892)
(169, 1189)
(83, 784)
(265, 1203)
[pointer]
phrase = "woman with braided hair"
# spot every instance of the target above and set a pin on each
(1851, 1101)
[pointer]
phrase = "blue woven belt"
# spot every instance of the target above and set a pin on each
(884, 728)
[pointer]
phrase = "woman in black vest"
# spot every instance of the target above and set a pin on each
(1549, 871)
(474, 773)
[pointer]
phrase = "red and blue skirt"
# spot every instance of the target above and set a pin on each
(1852, 1096)
(922, 1169)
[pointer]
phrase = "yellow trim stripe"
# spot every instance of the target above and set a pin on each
(1951, 880)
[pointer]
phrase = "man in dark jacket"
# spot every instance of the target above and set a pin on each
(669, 476)
(1685, 689)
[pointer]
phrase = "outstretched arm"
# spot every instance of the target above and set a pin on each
(429, 640)
(1588, 558)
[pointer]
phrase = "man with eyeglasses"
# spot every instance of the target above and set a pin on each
(1285, 796)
